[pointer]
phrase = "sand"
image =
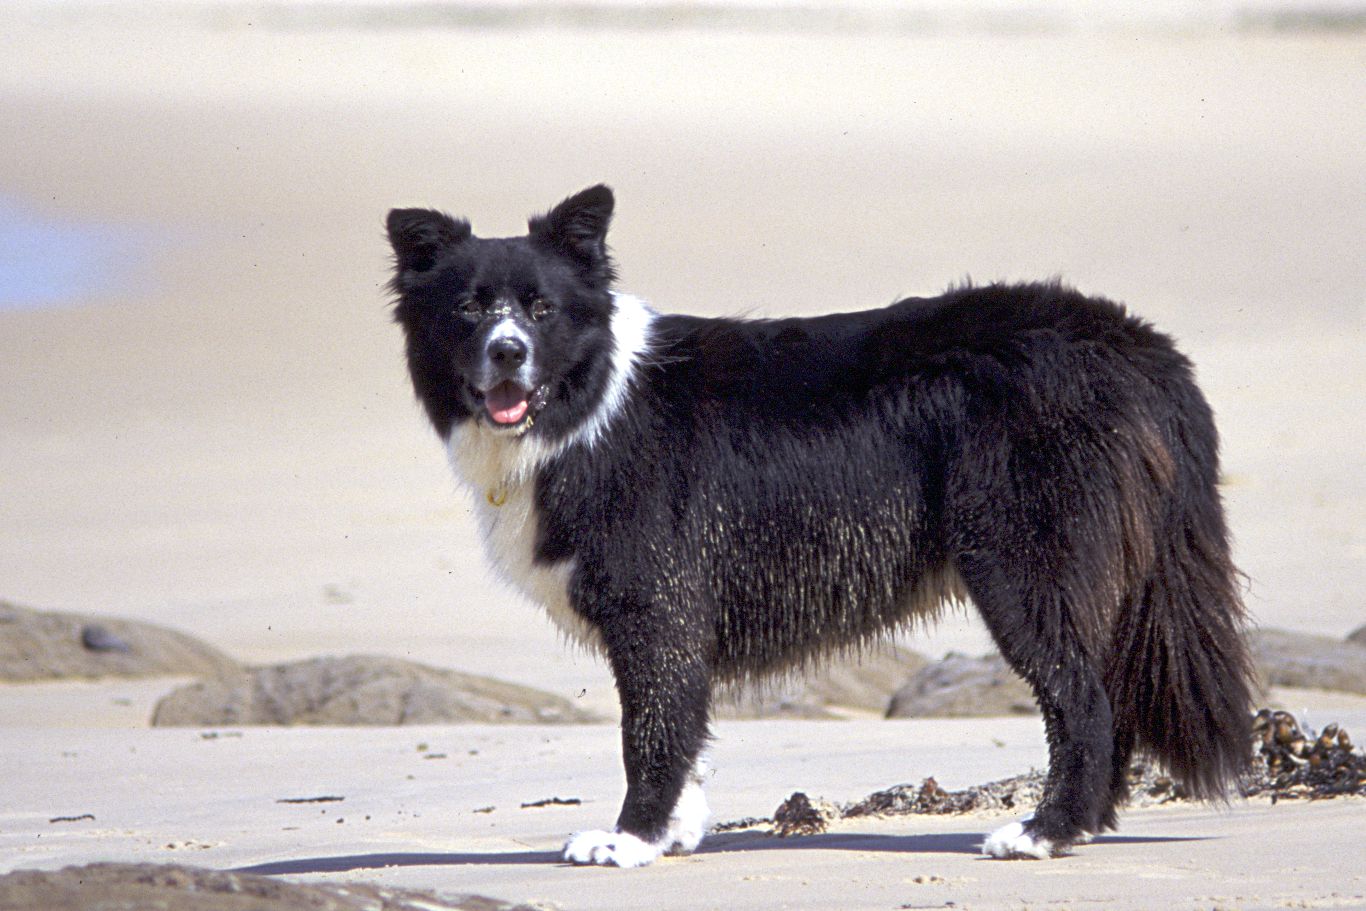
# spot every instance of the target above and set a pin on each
(222, 438)
(441, 808)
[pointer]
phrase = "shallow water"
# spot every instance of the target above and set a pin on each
(49, 261)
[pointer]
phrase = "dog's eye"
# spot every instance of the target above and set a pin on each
(470, 306)
(540, 308)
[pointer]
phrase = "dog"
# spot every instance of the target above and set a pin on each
(705, 501)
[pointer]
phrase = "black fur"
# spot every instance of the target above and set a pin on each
(772, 490)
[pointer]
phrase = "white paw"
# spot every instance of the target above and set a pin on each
(687, 825)
(688, 822)
(610, 849)
(1011, 842)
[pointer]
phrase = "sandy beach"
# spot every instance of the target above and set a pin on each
(456, 822)
(218, 434)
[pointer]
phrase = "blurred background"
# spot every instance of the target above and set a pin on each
(204, 415)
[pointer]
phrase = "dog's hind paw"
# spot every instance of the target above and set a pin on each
(609, 849)
(1013, 843)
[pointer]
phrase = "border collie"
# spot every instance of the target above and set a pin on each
(704, 501)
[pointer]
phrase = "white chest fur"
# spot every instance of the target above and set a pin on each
(500, 471)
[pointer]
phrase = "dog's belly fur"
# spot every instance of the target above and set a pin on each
(790, 572)
(796, 582)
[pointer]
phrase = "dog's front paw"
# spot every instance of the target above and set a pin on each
(1013, 842)
(611, 849)
(688, 823)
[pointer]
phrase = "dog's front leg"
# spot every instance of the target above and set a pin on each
(665, 690)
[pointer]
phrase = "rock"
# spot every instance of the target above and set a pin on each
(963, 686)
(860, 682)
(1358, 636)
(359, 690)
(115, 887)
(1284, 658)
(99, 639)
(960, 686)
(41, 645)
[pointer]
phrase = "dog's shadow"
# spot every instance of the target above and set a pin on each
(941, 843)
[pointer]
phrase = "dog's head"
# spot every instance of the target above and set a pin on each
(511, 332)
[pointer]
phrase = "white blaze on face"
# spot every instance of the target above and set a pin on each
(507, 401)
(508, 328)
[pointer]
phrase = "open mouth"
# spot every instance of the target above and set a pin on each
(510, 404)
(507, 403)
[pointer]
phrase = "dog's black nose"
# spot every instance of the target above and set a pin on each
(508, 353)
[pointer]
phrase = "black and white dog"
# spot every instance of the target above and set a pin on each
(706, 500)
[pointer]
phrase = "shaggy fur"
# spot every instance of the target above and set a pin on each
(707, 500)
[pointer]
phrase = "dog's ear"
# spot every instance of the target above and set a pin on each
(577, 229)
(420, 236)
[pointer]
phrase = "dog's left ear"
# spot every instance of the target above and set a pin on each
(577, 229)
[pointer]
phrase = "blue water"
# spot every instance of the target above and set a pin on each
(47, 261)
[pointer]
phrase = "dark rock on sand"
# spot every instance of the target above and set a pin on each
(861, 683)
(360, 690)
(1284, 658)
(41, 645)
(1358, 636)
(959, 687)
(98, 638)
(119, 887)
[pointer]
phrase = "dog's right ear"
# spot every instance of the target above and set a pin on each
(420, 236)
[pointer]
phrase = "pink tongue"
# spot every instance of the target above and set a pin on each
(506, 403)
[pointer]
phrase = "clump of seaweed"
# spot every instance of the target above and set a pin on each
(1294, 762)
(1290, 761)
(800, 815)
(930, 798)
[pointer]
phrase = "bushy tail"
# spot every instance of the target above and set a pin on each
(1181, 679)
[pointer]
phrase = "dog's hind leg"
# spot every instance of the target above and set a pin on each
(665, 690)
(1033, 626)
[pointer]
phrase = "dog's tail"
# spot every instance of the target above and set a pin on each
(1180, 678)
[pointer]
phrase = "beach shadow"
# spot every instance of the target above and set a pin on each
(929, 843)
(1148, 839)
(937, 843)
(724, 843)
(347, 862)
(965, 843)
